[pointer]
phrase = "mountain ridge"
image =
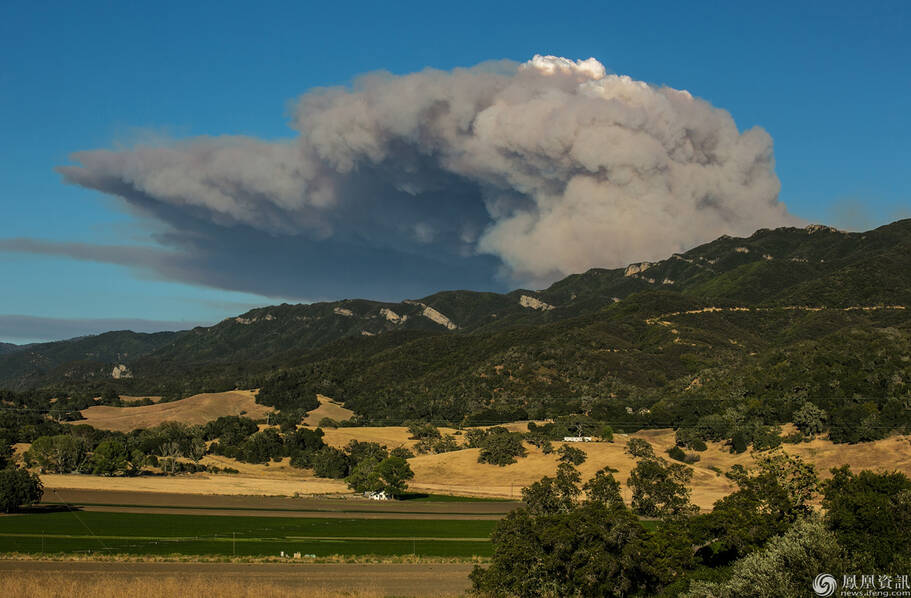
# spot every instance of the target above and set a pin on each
(8, 348)
(815, 265)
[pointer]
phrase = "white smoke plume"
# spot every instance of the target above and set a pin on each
(552, 167)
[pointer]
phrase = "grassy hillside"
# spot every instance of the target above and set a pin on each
(195, 410)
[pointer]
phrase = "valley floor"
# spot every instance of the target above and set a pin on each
(459, 473)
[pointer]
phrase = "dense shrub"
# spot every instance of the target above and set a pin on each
(110, 458)
(18, 488)
(436, 445)
(660, 489)
(501, 447)
(738, 443)
(6, 452)
(561, 544)
(689, 438)
(230, 429)
(785, 567)
(856, 422)
(304, 440)
(766, 438)
(261, 447)
(401, 452)
(810, 419)
(330, 462)
(676, 453)
(422, 430)
(361, 451)
(63, 453)
(287, 391)
(870, 514)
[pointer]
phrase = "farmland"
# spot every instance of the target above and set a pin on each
(91, 532)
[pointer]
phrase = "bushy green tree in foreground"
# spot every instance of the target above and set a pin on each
(659, 488)
(870, 514)
(784, 568)
(769, 499)
(18, 488)
(764, 540)
(580, 540)
(563, 546)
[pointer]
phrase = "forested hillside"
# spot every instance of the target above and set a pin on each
(79, 359)
(8, 348)
(758, 325)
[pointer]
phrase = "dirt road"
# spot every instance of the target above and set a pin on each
(389, 579)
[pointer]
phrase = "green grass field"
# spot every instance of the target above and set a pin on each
(156, 534)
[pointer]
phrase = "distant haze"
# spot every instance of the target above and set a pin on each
(32, 329)
(502, 174)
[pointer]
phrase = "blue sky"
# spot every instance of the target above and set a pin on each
(829, 81)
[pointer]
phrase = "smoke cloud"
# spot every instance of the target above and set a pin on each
(502, 173)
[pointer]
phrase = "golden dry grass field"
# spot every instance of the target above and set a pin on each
(327, 408)
(260, 484)
(449, 473)
(460, 473)
(32, 585)
(391, 436)
(86, 579)
(197, 409)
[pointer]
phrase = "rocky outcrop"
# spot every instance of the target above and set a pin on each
(121, 371)
(253, 320)
(534, 303)
(435, 316)
(392, 316)
(634, 269)
(815, 228)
